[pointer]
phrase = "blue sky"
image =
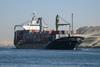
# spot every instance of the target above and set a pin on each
(12, 12)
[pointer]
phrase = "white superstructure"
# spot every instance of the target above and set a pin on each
(34, 25)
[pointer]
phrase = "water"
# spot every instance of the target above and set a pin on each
(87, 57)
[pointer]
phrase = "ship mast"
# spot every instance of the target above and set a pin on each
(57, 21)
(72, 25)
(33, 17)
(40, 21)
(61, 24)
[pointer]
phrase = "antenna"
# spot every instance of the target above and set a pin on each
(33, 15)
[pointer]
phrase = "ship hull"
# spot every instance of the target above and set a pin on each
(64, 43)
(44, 40)
(58, 44)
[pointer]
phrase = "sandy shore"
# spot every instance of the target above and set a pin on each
(6, 43)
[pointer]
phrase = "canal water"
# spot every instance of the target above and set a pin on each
(84, 57)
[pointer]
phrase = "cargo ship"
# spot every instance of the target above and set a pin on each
(34, 35)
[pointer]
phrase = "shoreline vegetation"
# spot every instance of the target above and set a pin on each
(6, 44)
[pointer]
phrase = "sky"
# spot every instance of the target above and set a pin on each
(12, 12)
